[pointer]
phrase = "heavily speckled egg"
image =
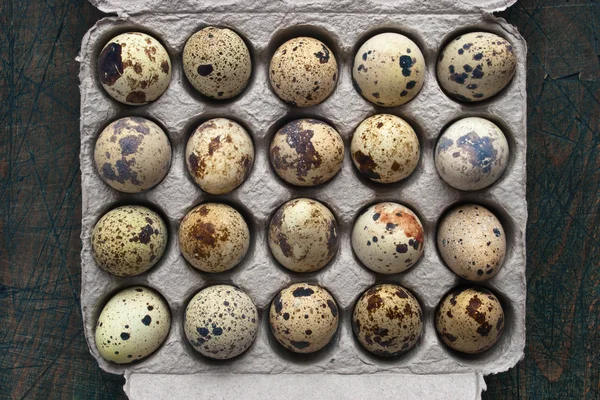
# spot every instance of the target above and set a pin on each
(129, 240)
(476, 66)
(387, 320)
(134, 68)
(472, 242)
(471, 154)
(388, 238)
(303, 317)
(217, 62)
(219, 155)
(303, 235)
(470, 319)
(221, 322)
(214, 237)
(132, 325)
(303, 72)
(132, 154)
(385, 148)
(307, 152)
(388, 69)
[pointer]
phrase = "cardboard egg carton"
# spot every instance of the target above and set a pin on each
(343, 369)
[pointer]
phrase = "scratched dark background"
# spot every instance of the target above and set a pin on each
(43, 353)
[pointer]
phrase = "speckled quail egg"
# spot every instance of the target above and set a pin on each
(385, 148)
(303, 235)
(132, 154)
(303, 317)
(470, 319)
(471, 154)
(132, 325)
(217, 62)
(472, 242)
(214, 237)
(134, 68)
(221, 322)
(129, 240)
(219, 155)
(388, 238)
(475, 66)
(387, 320)
(388, 69)
(307, 152)
(303, 72)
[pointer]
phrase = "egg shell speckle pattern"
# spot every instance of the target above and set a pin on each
(132, 154)
(476, 66)
(219, 155)
(472, 242)
(129, 240)
(470, 320)
(217, 62)
(134, 68)
(307, 152)
(221, 322)
(132, 325)
(304, 317)
(387, 320)
(214, 237)
(303, 72)
(471, 154)
(303, 235)
(385, 148)
(389, 69)
(388, 238)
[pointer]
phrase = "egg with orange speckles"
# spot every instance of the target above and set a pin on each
(219, 155)
(129, 240)
(470, 319)
(387, 320)
(134, 68)
(132, 154)
(304, 317)
(214, 237)
(388, 238)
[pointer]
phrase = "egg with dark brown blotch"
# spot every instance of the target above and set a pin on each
(303, 317)
(132, 154)
(470, 319)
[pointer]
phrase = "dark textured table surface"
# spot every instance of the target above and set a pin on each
(43, 353)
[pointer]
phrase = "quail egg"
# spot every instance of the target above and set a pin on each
(385, 148)
(387, 320)
(475, 66)
(471, 154)
(303, 235)
(303, 317)
(221, 322)
(470, 319)
(307, 152)
(388, 238)
(389, 69)
(134, 68)
(129, 240)
(303, 72)
(132, 154)
(219, 155)
(214, 237)
(472, 242)
(217, 62)
(132, 325)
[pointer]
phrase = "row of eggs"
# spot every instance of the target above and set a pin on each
(221, 321)
(133, 154)
(388, 69)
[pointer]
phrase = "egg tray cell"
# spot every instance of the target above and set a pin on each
(180, 110)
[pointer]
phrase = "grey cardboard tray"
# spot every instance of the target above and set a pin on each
(342, 369)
